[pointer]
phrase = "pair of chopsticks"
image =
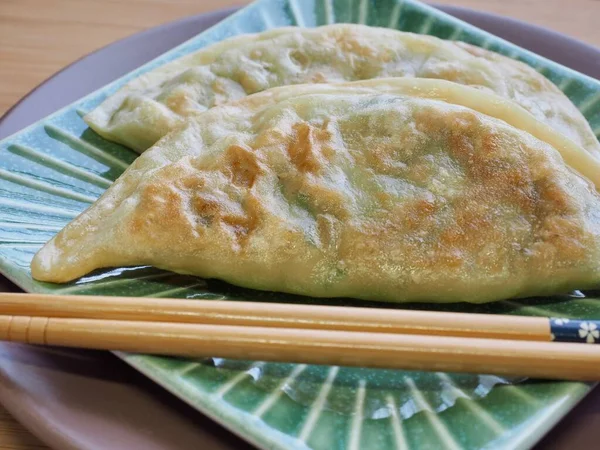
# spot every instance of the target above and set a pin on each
(369, 337)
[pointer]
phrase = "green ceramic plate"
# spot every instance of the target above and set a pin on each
(53, 170)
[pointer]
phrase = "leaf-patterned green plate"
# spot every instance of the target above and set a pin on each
(53, 170)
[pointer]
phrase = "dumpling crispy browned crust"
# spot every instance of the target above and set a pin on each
(157, 102)
(358, 190)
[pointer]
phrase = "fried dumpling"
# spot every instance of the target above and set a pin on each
(396, 190)
(150, 106)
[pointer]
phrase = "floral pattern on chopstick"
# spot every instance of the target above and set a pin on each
(571, 330)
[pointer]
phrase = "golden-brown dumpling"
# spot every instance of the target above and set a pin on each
(155, 103)
(396, 190)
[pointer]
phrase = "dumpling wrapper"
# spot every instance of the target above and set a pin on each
(387, 190)
(150, 106)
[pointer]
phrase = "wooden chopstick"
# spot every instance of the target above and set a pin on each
(418, 340)
(278, 315)
(351, 348)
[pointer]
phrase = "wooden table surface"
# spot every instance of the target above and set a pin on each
(39, 37)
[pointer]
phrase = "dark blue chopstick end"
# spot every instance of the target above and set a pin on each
(575, 330)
